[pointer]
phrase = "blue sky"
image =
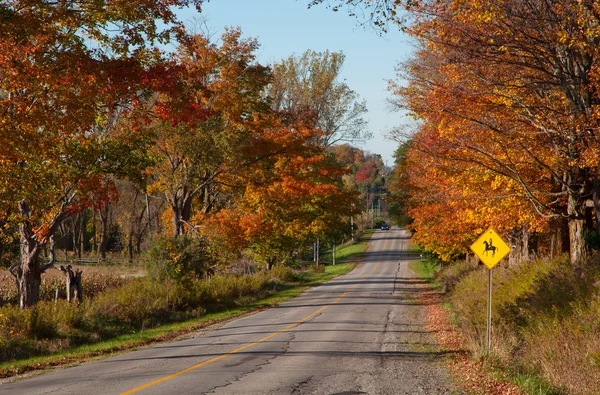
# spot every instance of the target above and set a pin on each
(287, 27)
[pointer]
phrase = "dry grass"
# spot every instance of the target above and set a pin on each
(132, 307)
(567, 350)
(96, 279)
(546, 323)
(469, 372)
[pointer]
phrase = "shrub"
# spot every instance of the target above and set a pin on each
(451, 274)
(180, 259)
(137, 304)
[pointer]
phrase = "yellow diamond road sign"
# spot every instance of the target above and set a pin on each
(490, 248)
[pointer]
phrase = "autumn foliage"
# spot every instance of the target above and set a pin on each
(92, 108)
(506, 95)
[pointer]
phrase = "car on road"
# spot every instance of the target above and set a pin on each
(385, 227)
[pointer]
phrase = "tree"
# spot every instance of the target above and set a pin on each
(215, 101)
(307, 88)
(399, 188)
(517, 96)
(67, 72)
(292, 199)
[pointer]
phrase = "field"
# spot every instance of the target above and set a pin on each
(95, 279)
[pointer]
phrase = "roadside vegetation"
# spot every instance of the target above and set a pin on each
(132, 309)
(201, 175)
(545, 320)
(499, 145)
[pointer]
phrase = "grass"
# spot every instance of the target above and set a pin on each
(425, 269)
(533, 384)
(351, 250)
(125, 342)
(545, 322)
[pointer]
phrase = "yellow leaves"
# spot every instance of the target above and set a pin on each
(498, 183)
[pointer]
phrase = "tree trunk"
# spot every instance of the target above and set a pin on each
(525, 244)
(29, 276)
(130, 246)
(318, 252)
(104, 225)
(515, 242)
(94, 235)
(270, 263)
(28, 271)
(148, 212)
(596, 201)
(73, 282)
(577, 243)
(576, 227)
(177, 224)
(81, 234)
(134, 223)
(74, 221)
(182, 211)
(559, 240)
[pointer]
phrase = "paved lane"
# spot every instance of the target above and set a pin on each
(360, 333)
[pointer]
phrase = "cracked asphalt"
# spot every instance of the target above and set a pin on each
(363, 333)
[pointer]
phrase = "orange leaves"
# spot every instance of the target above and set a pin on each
(296, 199)
(506, 134)
(66, 87)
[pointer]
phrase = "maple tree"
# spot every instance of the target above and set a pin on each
(294, 198)
(215, 101)
(68, 70)
(224, 110)
(510, 88)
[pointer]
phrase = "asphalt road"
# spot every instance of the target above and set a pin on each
(360, 333)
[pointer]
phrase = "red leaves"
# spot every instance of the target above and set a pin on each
(366, 173)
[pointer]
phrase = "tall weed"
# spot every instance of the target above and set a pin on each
(137, 304)
(545, 320)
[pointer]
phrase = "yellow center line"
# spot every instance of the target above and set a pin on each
(237, 350)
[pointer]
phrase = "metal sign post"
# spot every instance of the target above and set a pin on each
(489, 313)
(490, 248)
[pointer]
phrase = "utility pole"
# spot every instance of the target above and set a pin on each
(317, 249)
(334, 253)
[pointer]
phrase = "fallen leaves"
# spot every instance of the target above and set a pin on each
(472, 376)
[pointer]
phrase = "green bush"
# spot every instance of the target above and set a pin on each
(180, 259)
